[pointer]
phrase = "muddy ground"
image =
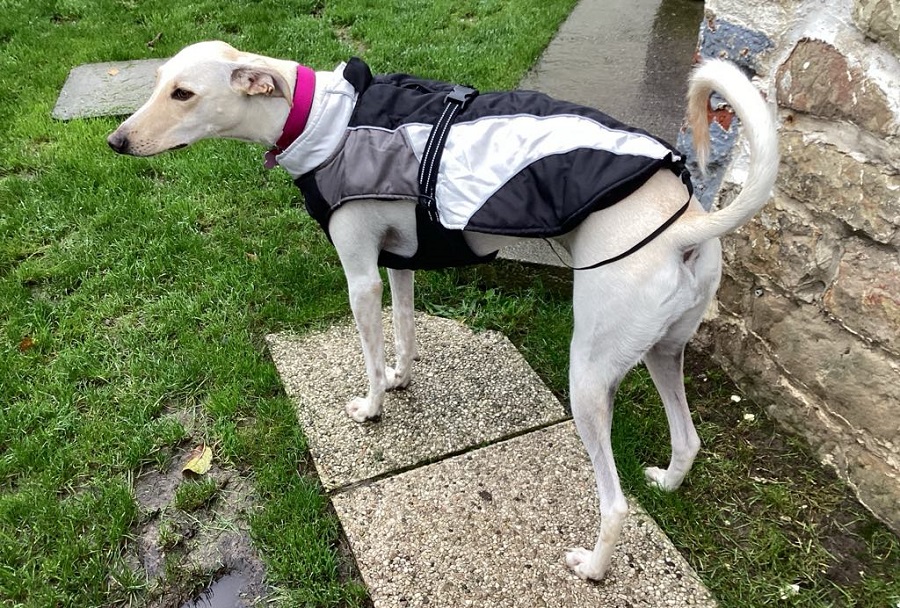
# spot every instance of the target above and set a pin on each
(198, 554)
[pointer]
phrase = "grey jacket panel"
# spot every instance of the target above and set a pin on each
(371, 163)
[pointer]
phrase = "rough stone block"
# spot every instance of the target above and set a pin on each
(864, 195)
(876, 481)
(808, 306)
(817, 79)
(789, 246)
(866, 294)
(858, 382)
(879, 20)
(872, 470)
(722, 39)
(723, 132)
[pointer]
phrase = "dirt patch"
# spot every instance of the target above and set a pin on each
(196, 556)
(345, 35)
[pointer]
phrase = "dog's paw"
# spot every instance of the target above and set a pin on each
(362, 409)
(656, 478)
(396, 380)
(579, 561)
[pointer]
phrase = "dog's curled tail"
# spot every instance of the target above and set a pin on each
(759, 127)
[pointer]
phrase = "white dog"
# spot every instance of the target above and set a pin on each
(646, 305)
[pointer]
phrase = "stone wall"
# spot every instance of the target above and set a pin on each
(808, 317)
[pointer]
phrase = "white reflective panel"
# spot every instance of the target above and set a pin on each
(482, 155)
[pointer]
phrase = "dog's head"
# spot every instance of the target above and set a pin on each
(209, 89)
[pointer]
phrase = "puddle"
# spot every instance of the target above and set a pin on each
(229, 591)
(178, 550)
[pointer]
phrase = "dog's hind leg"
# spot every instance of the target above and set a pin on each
(599, 359)
(620, 313)
(401, 282)
(665, 362)
(592, 392)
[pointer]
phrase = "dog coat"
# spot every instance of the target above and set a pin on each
(515, 163)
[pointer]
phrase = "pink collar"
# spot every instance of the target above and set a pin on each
(296, 120)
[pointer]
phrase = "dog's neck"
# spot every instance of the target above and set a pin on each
(295, 123)
(333, 102)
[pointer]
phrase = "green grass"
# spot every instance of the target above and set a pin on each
(135, 289)
(132, 289)
(194, 494)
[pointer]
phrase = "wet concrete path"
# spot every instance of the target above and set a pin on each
(628, 58)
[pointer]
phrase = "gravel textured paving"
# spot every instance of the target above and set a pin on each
(490, 528)
(468, 389)
(483, 527)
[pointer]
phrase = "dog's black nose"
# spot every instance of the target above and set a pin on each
(118, 142)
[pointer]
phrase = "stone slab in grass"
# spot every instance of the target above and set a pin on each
(115, 88)
(468, 389)
(491, 527)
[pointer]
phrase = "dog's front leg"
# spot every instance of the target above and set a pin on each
(358, 244)
(401, 282)
(365, 301)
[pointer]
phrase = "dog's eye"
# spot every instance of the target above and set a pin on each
(182, 94)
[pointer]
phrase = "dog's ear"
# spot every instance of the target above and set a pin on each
(261, 81)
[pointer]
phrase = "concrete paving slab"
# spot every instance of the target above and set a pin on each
(114, 88)
(490, 528)
(536, 251)
(468, 389)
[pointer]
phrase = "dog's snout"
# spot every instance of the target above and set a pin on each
(118, 142)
